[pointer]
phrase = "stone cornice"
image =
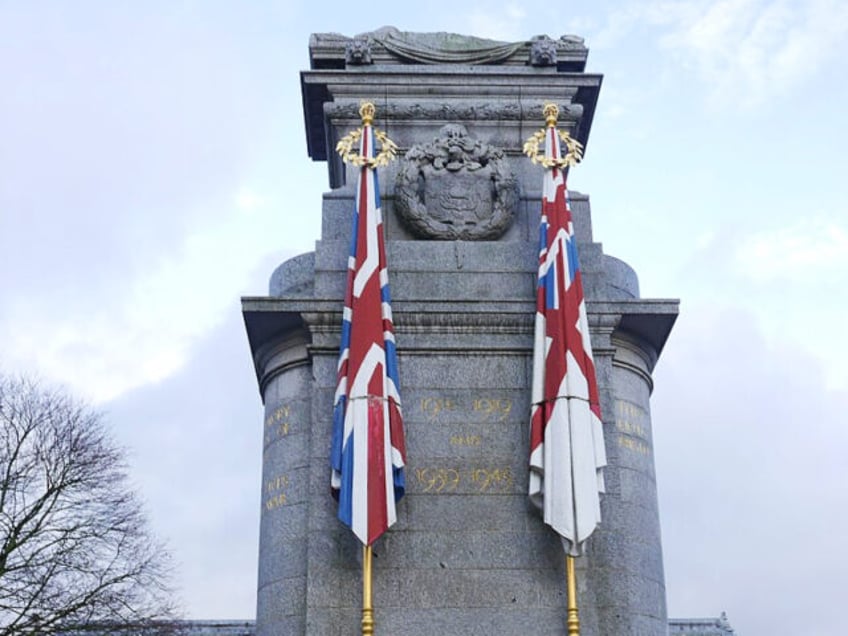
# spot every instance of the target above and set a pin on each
(485, 93)
(648, 321)
(458, 110)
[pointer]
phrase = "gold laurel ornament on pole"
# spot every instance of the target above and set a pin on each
(574, 149)
(348, 146)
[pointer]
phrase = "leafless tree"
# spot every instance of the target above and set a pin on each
(75, 549)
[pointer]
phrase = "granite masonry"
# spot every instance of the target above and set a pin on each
(677, 627)
(469, 554)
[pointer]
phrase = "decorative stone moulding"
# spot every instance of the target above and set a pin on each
(461, 110)
(456, 188)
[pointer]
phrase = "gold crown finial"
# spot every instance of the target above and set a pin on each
(367, 112)
(551, 112)
(348, 145)
(573, 148)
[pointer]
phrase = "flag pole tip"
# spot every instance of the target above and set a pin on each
(367, 111)
(551, 113)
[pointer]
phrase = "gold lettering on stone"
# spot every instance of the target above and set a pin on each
(631, 428)
(466, 440)
(438, 479)
(275, 492)
(635, 445)
(629, 418)
(275, 502)
(627, 409)
(493, 409)
(431, 407)
(277, 423)
(483, 409)
(492, 479)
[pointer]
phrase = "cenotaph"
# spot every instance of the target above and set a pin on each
(469, 553)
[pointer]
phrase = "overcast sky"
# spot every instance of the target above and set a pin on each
(153, 169)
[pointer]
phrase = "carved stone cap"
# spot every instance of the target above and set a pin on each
(390, 46)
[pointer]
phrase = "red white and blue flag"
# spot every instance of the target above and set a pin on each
(368, 452)
(566, 436)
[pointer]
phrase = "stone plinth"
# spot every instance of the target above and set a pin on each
(469, 554)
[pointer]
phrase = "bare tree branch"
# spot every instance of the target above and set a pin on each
(75, 550)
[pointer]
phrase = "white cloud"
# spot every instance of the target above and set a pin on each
(789, 280)
(106, 346)
(744, 51)
(810, 250)
(247, 200)
(503, 23)
(751, 50)
(792, 279)
(749, 446)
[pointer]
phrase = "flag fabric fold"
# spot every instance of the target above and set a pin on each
(567, 453)
(368, 451)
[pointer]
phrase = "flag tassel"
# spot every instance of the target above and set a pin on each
(573, 620)
(367, 609)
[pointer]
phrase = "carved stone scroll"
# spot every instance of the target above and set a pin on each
(456, 187)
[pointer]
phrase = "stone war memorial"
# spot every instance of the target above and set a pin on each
(468, 553)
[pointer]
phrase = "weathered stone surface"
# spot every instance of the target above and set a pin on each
(417, 621)
(389, 45)
(468, 554)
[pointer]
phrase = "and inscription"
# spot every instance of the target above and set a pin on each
(456, 187)
(456, 415)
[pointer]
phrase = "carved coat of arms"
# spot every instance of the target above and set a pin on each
(456, 187)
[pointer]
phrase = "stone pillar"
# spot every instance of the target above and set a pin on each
(285, 381)
(469, 554)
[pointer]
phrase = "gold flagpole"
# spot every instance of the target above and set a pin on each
(367, 610)
(573, 621)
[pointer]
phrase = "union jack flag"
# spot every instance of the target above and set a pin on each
(368, 452)
(566, 436)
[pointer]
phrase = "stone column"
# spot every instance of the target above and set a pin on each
(285, 381)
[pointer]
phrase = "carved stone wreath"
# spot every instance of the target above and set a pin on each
(456, 187)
